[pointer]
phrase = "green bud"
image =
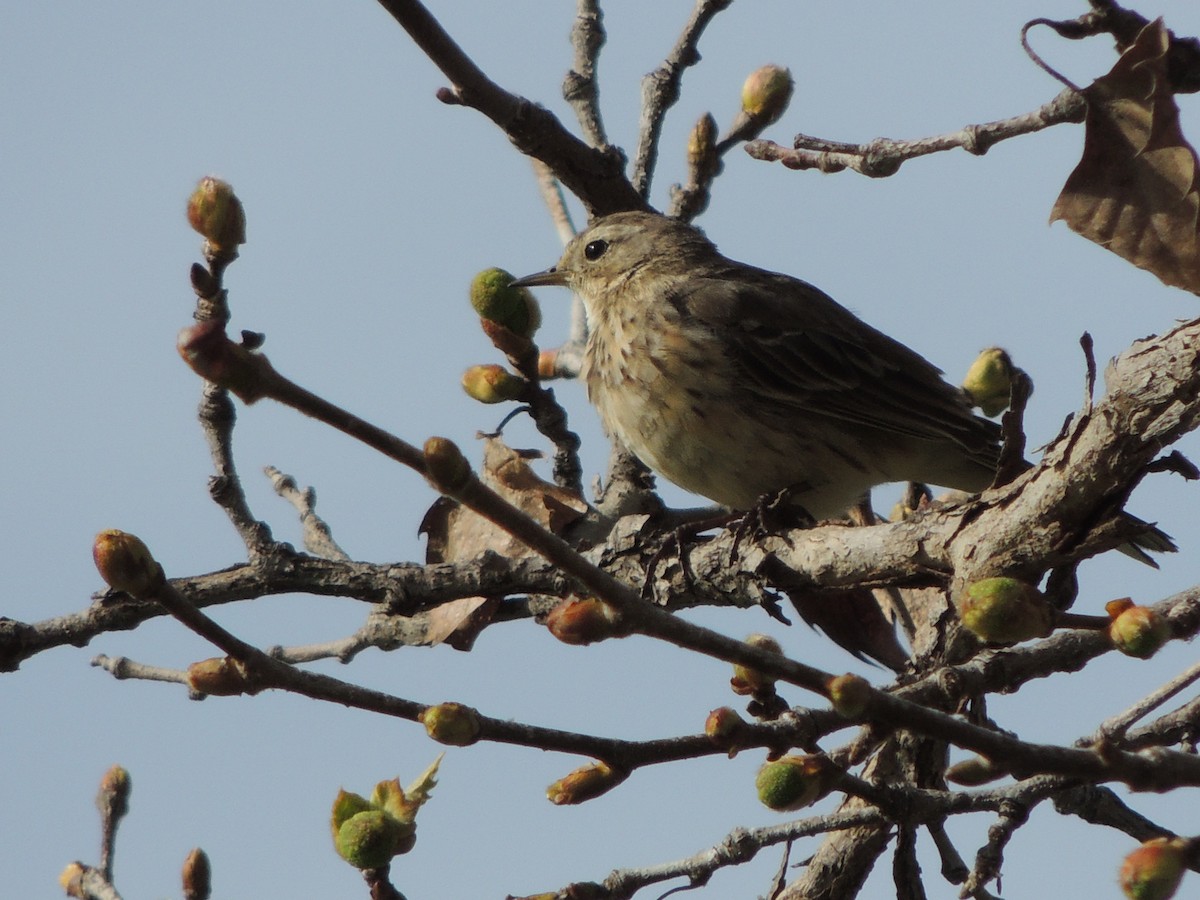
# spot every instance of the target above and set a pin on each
(454, 724)
(794, 782)
(1005, 611)
(369, 839)
(494, 298)
(989, 381)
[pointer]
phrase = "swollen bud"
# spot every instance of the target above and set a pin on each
(494, 298)
(766, 94)
(794, 782)
(1153, 871)
(702, 145)
(726, 729)
(215, 211)
(445, 466)
(220, 676)
(197, 876)
(1005, 611)
(746, 680)
(454, 724)
(584, 620)
(989, 381)
(1136, 630)
(125, 563)
(71, 879)
(113, 798)
(849, 695)
(974, 772)
(585, 783)
(209, 352)
(492, 384)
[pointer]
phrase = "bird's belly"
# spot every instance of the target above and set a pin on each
(708, 440)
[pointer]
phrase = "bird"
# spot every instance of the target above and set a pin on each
(737, 384)
(734, 382)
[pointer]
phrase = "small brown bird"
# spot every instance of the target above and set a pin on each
(734, 382)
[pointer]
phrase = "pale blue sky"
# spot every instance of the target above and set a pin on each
(370, 205)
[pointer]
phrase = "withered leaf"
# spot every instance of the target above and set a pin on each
(456, 534)
(1134, 190)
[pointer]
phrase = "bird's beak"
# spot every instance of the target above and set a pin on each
(551, 276)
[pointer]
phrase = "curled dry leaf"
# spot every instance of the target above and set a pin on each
(456, 534)
(1135, 188)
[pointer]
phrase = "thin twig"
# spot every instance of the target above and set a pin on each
(579, 86)
(318, 539)
(660, 90)
(594, 175)
(883, 156)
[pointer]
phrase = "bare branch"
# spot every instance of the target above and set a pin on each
(579, 87)
(660, 90)
(318, 539)
(883, 156)
(595, 176)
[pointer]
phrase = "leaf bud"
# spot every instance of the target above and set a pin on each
(445, 466)
(989, 381)
(849, 695)
(584, 620)
(220, 676)
(197, 876)
(1136, 630)
(1153, 871)
(794, 782)
(492, 384)
(125, 563)
(113, 797)
(585, 783)
(747, 680)
(974, 772)
(766, 94)
(215, 212)
(454, 724)
(1005, 611)
(494, 298)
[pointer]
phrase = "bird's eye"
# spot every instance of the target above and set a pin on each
(595, 249)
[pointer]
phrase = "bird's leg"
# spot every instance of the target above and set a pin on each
(772, 514)
(689, 524)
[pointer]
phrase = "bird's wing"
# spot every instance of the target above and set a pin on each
(802, 351)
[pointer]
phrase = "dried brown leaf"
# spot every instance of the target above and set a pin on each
(1134, 190)
(456, 534)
